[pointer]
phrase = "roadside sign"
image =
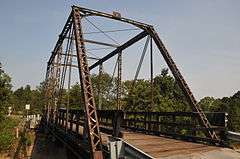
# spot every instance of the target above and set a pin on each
(27, 106)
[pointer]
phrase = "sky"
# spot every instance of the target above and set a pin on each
(203, 37)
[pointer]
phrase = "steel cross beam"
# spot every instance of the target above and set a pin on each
(101, 43)
(119, 49)
(98, 42)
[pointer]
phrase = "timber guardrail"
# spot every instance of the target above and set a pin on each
(182, 125)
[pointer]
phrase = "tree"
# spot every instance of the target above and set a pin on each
(75, 97)
(167, 94)
(104, 86)
(138, 97)
(207, 103)
(26, 95)
(234, 112)
(5, 92)
(231, 105)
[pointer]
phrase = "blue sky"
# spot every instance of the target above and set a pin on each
(203, 37)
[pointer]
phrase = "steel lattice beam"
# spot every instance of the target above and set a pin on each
(91, 12)
(93, 132)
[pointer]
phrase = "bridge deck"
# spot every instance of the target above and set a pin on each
(162, 147)
(159, 147)
(167, 148)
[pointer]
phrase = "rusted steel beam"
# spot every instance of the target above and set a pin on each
(101, 43)
(120, 49)
(151, 74)
(70, 65)
(91, 12)
(92, 126)
(61, 38)
(89, 57)
(119, 81)
(98, 43)
(181, 82)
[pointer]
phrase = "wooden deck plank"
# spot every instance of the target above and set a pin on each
(163, 147)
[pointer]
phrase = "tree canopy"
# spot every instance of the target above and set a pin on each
(136, 96)
(5, 91)
(231, 105)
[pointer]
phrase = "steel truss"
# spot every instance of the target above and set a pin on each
(73, 25)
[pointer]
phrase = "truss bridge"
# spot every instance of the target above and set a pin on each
(117, 130)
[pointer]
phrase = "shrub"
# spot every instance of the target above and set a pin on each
(7, 132)
(6, 140)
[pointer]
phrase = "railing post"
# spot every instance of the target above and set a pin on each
(63, 119)
(126, 121)
(117, 119)
(194, 122)
(149, 122)
(77, 122)
(223, 134)
(145, 121)
(226, 119)
(59, 118)
(71, 121)
(174, 121)
(135, 121)
(159, 127)
(56, 117)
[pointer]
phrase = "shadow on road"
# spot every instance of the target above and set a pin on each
(46, 147)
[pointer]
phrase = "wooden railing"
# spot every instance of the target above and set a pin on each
(183, 125)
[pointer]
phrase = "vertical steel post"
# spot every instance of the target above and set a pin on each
(119, 81)
(100, 86)
(151, 73)
(57, 80)
(69, 82)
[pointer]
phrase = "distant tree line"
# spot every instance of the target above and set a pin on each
(231, 105)
(136, 96)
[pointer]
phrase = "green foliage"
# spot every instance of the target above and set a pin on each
(104, 88)
(5, 92)
(138, 96)
(25, 139)
(25, 95)
(7, 132)
(231, 105)
(75, 97)
(6, 139)
(167, 96)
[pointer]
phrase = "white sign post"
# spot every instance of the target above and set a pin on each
(27, 107)
(9, 111)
